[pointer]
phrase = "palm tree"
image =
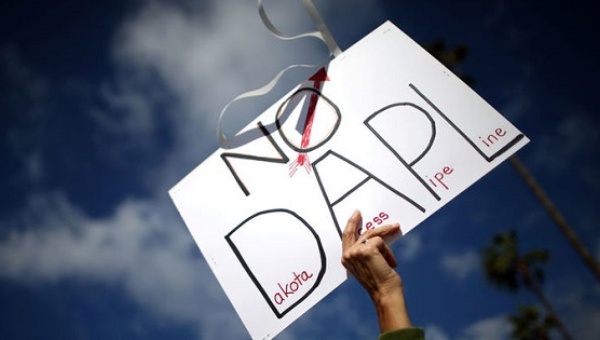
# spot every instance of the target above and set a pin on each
(452, 58)
(528, 326)
(556, 216)
(507, 268)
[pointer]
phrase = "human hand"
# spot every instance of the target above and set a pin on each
(372, 262)
(369, 258)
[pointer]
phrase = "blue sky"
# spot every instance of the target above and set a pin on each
(106, 105)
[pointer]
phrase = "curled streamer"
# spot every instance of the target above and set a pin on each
(322, 33)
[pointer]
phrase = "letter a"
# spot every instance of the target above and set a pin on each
(331, 164)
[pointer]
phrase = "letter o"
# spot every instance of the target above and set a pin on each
(278, 122)
(292, 286)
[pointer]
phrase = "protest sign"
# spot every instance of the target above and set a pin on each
(384, 128)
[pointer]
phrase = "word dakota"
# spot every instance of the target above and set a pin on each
(291, 288)
(383, 128)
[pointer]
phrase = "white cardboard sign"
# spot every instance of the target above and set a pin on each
(385, 129)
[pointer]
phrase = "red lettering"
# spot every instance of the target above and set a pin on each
(438, 177)
(492, 138)
(377, 220)
(369, 178)
(278, 298)
(297, 278)
(292, 287)
(483, 141)
(285, 291)
(305, 276)
(367, 227)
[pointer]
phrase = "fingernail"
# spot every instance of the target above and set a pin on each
(356, 213)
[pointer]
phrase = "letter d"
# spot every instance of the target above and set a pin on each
(272, 244)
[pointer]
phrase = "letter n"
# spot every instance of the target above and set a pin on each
(226, 156)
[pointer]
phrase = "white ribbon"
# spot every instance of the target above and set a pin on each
(321, 33)
(254, 93)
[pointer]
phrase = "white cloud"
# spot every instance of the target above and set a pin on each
(339, 309)
(584, 323)
(129, 108)
(434, 332)
(461, 265)
(577, 304)
(143, 248)
(409, 246)
(203, 55)
(209, 56)
(493, 328)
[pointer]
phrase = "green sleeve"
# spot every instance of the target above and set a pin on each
(412, 333)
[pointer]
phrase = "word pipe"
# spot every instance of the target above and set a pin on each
(439, 176)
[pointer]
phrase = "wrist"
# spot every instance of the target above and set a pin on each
(391, 308)
(391, 288)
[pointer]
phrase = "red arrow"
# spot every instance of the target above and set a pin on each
(318, 78)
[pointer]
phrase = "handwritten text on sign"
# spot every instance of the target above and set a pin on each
(384, 128)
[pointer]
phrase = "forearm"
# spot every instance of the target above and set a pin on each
(391, 309)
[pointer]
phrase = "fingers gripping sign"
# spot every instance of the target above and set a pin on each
(372, 262)
(368, 258)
